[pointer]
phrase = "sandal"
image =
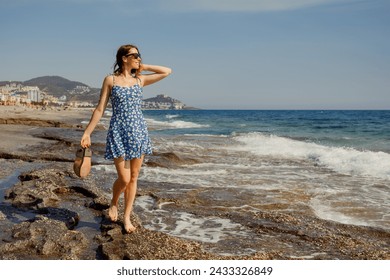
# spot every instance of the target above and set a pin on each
(82, 163)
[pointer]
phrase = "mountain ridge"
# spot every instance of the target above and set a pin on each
(56, 81)
(58, 86)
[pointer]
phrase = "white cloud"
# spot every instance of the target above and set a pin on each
(244, 5)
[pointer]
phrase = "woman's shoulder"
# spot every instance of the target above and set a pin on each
(140, 79)
(109, 79)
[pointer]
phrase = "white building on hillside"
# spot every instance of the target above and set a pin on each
(34, 94)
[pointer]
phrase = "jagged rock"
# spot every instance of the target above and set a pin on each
(32, 192)
(44, 239)
(144, 244)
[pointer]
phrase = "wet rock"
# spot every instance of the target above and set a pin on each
(99, 203)
(35, 190)
(43, 239)
(70, 218)
(168, 160)
(34, 122)
(148, 245)
(30, 196)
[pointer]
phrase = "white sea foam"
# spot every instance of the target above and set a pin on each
(328, 212)
(342, 160)
(186, 225)
(188, 171)
(171, 116)
(167, 145)
(176, 124)
(184, 175)
(104, 168)
(200, 135)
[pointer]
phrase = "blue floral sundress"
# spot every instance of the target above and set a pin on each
(127, 135)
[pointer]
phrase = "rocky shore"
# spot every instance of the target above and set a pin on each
(46, 212)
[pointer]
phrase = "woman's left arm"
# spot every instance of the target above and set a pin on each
(157, 73)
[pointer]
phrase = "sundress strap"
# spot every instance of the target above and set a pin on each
(113, 80)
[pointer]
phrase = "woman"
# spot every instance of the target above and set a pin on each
(127, 136)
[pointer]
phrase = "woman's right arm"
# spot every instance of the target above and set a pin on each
(98, 112)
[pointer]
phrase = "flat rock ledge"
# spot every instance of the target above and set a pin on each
(51, 214)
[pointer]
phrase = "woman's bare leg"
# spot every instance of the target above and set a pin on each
(130, 192)
(123, 171)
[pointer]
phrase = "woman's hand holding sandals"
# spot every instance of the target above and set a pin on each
(85, 141)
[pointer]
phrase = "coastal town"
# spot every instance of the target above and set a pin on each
(14, 94)
(74, 95)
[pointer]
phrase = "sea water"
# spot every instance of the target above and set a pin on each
(335, 164)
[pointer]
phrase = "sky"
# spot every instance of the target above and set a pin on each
(225, 54)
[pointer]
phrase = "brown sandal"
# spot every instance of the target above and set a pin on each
(82, 163)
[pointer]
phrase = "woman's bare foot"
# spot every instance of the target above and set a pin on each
(113, 213)
(129, 228)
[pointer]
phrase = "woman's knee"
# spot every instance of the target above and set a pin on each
(134, 176)
(123, 181)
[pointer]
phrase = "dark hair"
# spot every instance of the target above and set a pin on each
(122, 51)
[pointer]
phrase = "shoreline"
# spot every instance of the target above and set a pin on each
(18, 125)
(52, 116)
(49, 213)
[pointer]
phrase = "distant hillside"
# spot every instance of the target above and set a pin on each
(163, 102)
(58, 86)
(54, 85)
(161, 98)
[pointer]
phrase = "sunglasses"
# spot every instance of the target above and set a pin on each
(134, 55)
